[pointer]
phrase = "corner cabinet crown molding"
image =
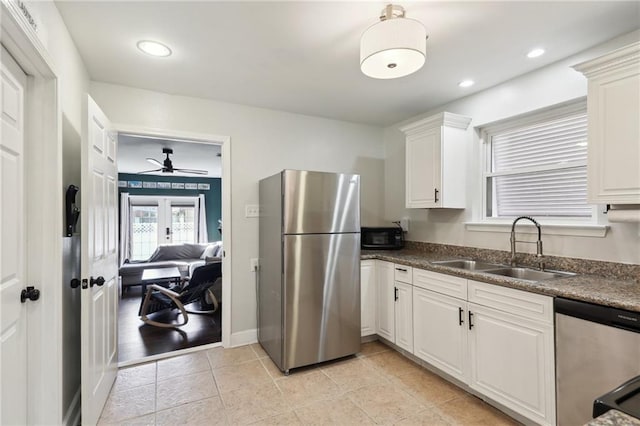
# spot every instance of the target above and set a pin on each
(613, 108)
(435, 160)
(619, 59)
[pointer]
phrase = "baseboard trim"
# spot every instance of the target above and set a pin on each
(245, 337)
(72, 416)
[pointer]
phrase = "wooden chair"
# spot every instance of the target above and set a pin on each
(204, 286)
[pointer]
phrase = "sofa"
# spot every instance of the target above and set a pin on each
(186, 257)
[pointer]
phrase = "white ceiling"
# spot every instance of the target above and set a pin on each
(134, 150)
(303, 57)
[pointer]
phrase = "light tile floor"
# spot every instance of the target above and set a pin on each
(243, 386)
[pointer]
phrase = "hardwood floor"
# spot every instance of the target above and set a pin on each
(137, 340)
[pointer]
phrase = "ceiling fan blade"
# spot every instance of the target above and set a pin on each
(150, 171)
(194, 172)
(155, 162)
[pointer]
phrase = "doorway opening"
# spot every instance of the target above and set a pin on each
(170, 232)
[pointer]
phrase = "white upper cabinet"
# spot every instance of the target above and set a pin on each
(613, 104)
(436, 161)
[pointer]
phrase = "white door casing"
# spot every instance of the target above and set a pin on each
(99, 261)
(13, 313)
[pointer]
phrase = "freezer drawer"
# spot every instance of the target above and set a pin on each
(321, 298)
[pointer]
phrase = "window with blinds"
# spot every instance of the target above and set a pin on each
(537, 165)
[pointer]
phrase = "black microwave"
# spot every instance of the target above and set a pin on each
(382, 238)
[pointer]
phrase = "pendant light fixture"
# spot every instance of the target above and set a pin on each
(394, 47)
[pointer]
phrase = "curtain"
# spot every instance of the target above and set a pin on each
(203, 237)
(125, 227)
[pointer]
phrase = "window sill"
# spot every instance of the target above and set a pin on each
(572, 230)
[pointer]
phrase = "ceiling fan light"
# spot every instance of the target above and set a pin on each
(392, 48)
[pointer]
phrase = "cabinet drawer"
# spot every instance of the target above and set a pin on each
(403, 273)
(441, 283)
(529, 305)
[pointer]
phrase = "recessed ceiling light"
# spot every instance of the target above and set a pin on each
(466, 83)
(154, 48)
(535, 53)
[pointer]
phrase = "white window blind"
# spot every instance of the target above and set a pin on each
(538, 166)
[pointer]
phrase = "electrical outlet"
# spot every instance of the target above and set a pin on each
(404, 224)
(253, 265)
(252, 210)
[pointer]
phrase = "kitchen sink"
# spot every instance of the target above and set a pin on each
(469, 265)
(528, 274)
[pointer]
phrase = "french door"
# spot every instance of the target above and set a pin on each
(161, 220)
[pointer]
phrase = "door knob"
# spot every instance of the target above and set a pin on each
(30, 293)
(75, 283)
(96, 281)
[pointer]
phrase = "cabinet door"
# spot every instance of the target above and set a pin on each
(512, 362)
(423, 173)
(440, 331)
(368, 297)
(614, 138)
(404, 315)
(385, 316)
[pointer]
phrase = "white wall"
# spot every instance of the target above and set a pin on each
(550, 85)
(73, 83)
(263, 142)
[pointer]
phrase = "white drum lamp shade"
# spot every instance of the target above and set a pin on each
(393, 48)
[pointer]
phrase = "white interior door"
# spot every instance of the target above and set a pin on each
(13, 313)
(99, 261)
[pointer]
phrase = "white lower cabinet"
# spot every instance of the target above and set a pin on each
(499, 341)
(440, 331)
(368, 297)
(385, 296)
(404, 315)
(512, 362)
(511, 349)
(394, 306)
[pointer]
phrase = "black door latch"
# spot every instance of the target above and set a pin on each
(30, 293)
(96, 281)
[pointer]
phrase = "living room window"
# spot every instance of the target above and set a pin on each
(161, 220)
(536, 165)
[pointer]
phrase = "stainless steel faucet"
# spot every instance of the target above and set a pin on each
(539, 254)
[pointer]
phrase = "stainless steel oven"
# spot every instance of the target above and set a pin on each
(597, 348)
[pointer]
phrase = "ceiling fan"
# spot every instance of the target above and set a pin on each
(167, 166)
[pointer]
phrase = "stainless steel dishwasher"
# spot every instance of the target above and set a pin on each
(597, 348)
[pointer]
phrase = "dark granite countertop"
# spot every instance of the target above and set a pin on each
(623, 294)
(614, 418)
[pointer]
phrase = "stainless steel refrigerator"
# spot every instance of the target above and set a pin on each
(309, 274)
